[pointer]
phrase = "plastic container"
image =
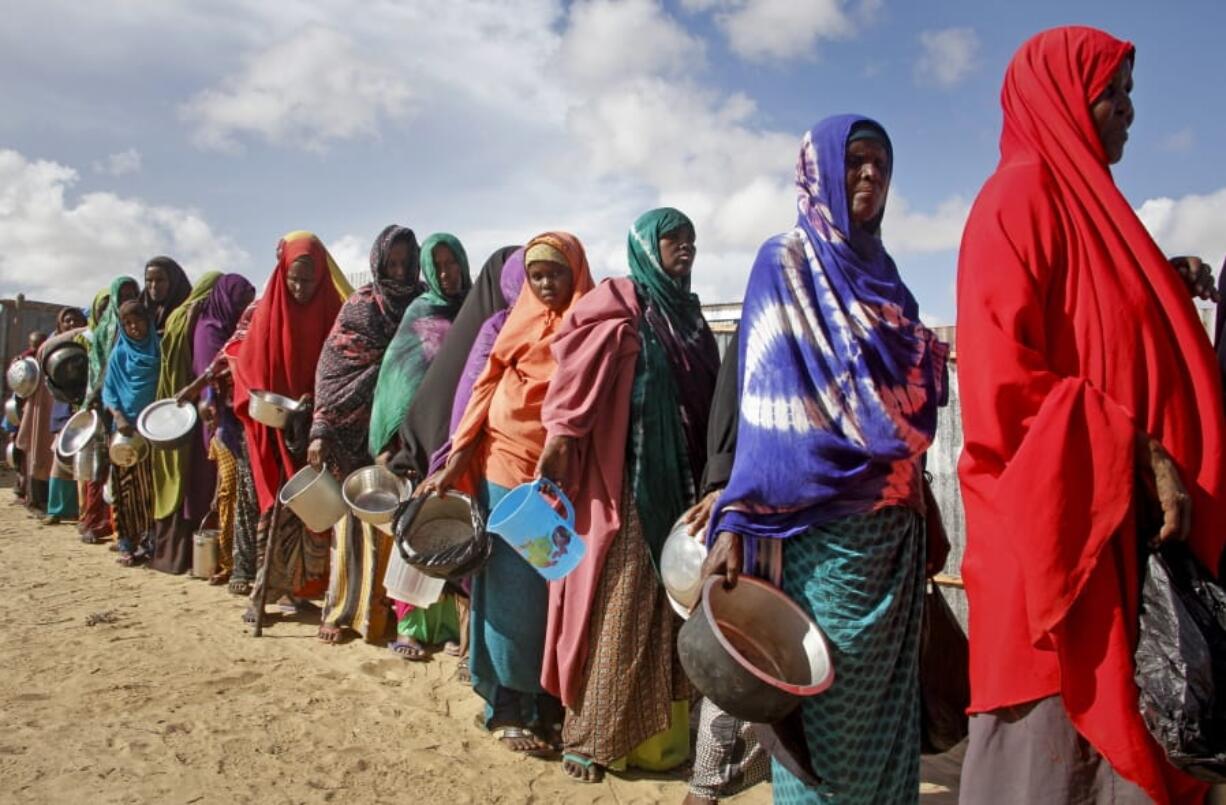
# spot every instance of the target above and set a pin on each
(406, 583)
(681, 561)
(529, 523)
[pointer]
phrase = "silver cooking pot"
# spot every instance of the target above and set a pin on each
(24, 376)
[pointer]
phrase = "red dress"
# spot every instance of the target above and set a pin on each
(1074, 334)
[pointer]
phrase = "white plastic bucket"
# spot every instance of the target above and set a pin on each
(406, 583)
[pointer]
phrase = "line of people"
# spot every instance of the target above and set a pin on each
(1092, 409)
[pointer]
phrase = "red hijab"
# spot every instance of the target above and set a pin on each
(1074, 334)
(281, 349)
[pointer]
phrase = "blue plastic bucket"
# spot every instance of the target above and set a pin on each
(528, 522)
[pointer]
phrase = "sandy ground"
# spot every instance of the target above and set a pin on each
(170, 699)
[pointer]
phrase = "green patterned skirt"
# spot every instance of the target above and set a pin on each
(862, 579)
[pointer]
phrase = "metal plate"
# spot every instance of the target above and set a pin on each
(77, 432)
(166, 421)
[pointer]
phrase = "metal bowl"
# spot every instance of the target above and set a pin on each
(315, 497)
(24, 376)
(66, 367)
(271, 409)
(167, 423)
(78, 431)
(753, 651)
(128, 451)
(681, 561)
(63, 463)
(87, 462)
(373, 493)
(10, 411)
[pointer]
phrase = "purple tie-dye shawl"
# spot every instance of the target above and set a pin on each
(839, 381)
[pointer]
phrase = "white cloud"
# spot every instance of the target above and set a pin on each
(778, 30)
(947, 56)
(1179, 141)
(63, 250)
(909, 231)
(1189, 225)
(613, 41)
(308, 90)
(119, 164)
(351, 253)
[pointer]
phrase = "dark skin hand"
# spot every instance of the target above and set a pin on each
(1198, 276)
(318, 452)
(1160, 480)
(698, 515)
(122, 424)
(555, 461)
(445, 479)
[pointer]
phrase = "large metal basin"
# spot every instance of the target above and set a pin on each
(128, 451)
(78, 431)
(315, 497)
(87, 462)
(753, 651)
(373, 493)
(271, 409)
(23, 376)
(167, 423)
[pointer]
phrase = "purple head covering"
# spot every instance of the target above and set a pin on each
(218, 317)
(215, 323)
(840, 382)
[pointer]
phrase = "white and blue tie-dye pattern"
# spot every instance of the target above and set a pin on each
(839, 380)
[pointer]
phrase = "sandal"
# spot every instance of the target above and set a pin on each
(582, 768)
(408, 651)
(90, 538)
(463, 674)
(521, 741)
(219, 578)
(239, 587)
(452, 649)
(128, 560)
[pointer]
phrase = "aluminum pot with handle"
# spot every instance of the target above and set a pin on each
(87, 462)
(10, 411)
(24, 376)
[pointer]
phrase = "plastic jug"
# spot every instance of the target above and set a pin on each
(406, 583)
(527, 521)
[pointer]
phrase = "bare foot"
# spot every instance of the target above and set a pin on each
(694, 799)
(331, 634)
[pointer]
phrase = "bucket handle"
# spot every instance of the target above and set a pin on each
(545, 483)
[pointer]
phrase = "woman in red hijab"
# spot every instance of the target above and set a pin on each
(279, 354)
(1092, 410)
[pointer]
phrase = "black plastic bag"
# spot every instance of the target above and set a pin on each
(944, 671)
(1181, 662)
(457, 560)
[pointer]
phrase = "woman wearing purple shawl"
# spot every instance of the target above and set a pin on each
(221, 438)
(840, 384)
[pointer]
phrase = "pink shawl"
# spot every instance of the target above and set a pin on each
(589, 400)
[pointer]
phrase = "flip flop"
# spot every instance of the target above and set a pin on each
(593, 772)
(239, 587)
(408, 651)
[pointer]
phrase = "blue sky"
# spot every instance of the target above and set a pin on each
(207, 130)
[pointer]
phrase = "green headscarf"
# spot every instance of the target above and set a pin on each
(674, 379)
(417, 341)
(169, 465)
(104, 328)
